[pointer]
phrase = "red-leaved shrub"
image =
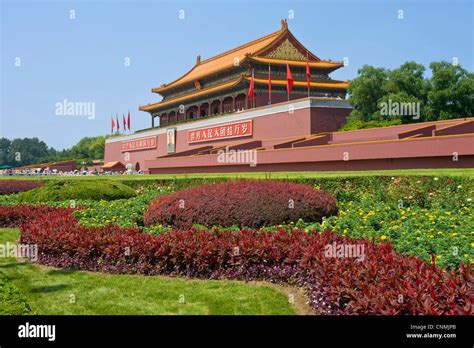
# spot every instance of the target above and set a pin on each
(383, 282)
(14, 186)
(12, 216)
(250, 203)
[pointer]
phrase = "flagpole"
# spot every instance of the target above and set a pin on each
(308, 77)
(309, 80)
(287, 86)
(253, 92)
(308, 86)
(269, 85)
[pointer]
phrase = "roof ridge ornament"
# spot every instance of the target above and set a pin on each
(198, 59)
(284, 24)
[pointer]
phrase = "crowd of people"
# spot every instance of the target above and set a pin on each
(55, 172)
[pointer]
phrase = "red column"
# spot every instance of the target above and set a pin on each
(199, 111)
(152, 121)
(221, 106)
(209, 113)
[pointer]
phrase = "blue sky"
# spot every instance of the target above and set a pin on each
(82, 59)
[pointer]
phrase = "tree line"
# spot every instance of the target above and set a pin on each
(20, 152)
(381, 96)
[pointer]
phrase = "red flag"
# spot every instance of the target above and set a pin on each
(251, 88)
(308, 76)
(124, 123)
(118, 124)
(113, 123)
(128, 120)
(289, 80)
(269, 85)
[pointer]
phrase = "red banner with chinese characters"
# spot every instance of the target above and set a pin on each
(139, 144)
(225, 131)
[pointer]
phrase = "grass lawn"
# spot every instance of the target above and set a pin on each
(468, 172)
(53, 291)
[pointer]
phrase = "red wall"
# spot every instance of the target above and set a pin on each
(271, 129)
(369, 164)
(327, 119)
(428, 152)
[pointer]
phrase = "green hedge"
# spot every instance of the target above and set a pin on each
(360, 124)
(343, 187)
(77, 189)
(12, 301)
(352, 187)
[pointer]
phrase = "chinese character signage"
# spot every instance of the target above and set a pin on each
(139, 144)
(171, 140)
(225, 131)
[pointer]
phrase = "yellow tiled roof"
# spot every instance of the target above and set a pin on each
(197, 93)
(319, 64)
(224, 60)
(111, 164)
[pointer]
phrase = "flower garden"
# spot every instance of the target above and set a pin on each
(354, 245)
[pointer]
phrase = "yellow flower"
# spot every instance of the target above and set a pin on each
(383, 237)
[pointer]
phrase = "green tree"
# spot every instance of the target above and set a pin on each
(21, 152)
(399, 106)
(408, 78)
(26, 151)
(5, 145)
(55, 156)
(366, 90)
(89, 148)
(451, 93)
